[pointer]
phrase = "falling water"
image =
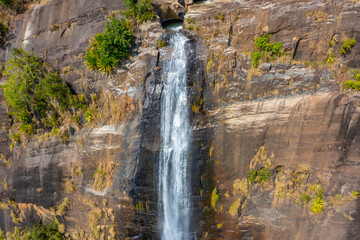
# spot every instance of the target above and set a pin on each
(174, 190)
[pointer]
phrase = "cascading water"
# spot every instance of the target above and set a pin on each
(174, 189)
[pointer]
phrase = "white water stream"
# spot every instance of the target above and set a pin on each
(174, 186)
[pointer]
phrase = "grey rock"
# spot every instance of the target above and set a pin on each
(265, 67)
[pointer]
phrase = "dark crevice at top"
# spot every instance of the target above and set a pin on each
(173, 25)
(201, 1)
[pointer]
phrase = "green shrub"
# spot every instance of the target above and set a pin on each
(355, 194)
(331, 59)
(318, 191)
(353, 84)
(141, 11)
(318, 205)
(109, 48)
(255, 176)
(55, 27)
(63, 207)
(347, 45)
(214, 198)
(34, 95)
(304, 198)
(41, 232)
(266, 50)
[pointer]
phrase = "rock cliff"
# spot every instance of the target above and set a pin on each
(290, 117)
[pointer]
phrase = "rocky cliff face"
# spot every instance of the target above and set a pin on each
(289, 116)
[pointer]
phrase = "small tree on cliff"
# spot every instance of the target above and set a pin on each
(35, 96)
(107, 49)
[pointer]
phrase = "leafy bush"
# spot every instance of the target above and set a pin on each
(41, 232)
(38, 232)
(355, 194)
(141, 11)
(35, 96)
(266, 50)
(318, 205)
(353, 84)
(331, 59)
(347, 45)
(255, 176)
(109, 48)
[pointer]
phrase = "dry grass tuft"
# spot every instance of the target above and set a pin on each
(103, 175)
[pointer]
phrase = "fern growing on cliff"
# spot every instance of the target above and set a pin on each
(107, 49)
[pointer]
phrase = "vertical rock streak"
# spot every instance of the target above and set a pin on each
(174, 192)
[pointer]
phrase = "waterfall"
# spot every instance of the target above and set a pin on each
(174, 189)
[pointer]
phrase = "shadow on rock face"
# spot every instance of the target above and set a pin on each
(354, 227)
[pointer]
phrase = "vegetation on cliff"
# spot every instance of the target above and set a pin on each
(353, 84)
(347, 44)
(266, 51)
(107, 49)
(141, 11)
(38, 232)
(17, 5)
(37, 98)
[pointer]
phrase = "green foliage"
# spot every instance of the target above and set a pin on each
(331, 59)
(219, 16)
(266, 50)
(161, 43)
(214, 198)
(255, 176)
(109, 48)
(318, 205)
(319, 191)
(41, 232)
(234, 208)
(55, 27)
(34, 95)
(353, 84)
(36, 232)
(89, 115)
(141, 11)
(347, 45)
(355, 194)
(63, 207)
(304, 198)
(17, 5)
(256, 57)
